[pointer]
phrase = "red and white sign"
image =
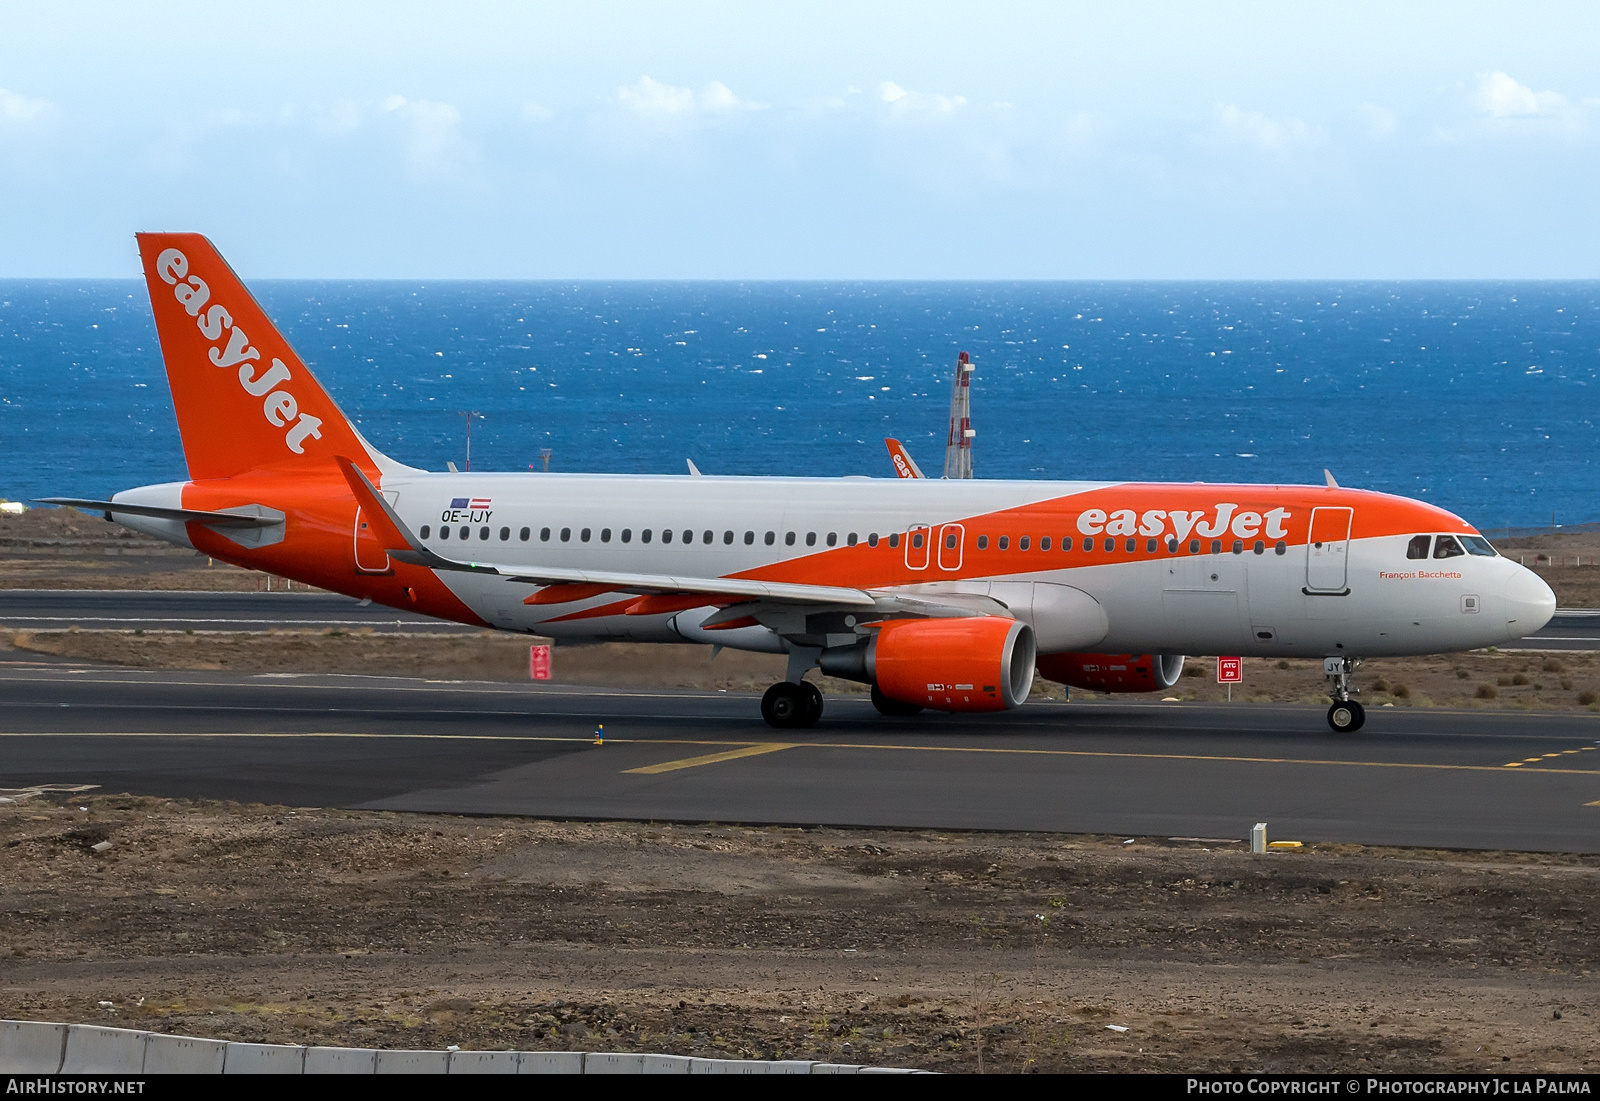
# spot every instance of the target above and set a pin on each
(539, 662)
(1230, 670)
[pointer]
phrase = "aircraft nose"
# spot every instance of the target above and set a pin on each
(1529, 603)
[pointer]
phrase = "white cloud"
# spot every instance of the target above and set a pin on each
(1500, 96)
(902, 100)
(650, 98)
(434, 143)
(1263, 131)
(18, 108)
(1379, 122)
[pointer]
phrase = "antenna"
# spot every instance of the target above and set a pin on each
(958, 444)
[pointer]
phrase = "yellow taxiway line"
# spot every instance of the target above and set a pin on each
(767, 747)
(709, 759)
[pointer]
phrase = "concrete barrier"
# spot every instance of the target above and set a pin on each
(341, 1060)
(40, 1047)
(264, 1059)
(31, 1047)
(552, 1062)
(93, 1049)
(485, 1062)
(165, 1054)
(413, 1062)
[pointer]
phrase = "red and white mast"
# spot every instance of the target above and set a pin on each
(958, 444)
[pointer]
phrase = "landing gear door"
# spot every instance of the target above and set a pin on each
(1328, 551)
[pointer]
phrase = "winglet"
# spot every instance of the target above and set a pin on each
(904, 465)
(1328, 474)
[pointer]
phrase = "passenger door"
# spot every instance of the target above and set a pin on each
(1328, 551)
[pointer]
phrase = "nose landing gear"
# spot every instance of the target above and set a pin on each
(1346, 715)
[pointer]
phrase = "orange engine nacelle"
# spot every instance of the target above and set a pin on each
(1113, 672)
(983, 663)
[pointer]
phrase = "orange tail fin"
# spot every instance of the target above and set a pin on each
(904, 465)
(244, 399)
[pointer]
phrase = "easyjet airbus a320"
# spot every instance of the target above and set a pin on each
(939, 594)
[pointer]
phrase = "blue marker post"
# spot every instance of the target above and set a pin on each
(600, 734)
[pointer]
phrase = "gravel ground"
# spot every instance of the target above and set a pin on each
(947, 951)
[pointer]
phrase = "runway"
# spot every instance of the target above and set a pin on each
(1411, 777)
(126, 610)
(132, 609)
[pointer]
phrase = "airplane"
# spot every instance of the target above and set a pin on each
(948, 595)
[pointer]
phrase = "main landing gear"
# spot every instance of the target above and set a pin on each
(1346, 715)
(788, 706)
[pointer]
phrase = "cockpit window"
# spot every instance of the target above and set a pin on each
(1447, 547)
(1418, 547)
(1477, 544)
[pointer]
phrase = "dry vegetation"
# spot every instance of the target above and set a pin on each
(951, 952)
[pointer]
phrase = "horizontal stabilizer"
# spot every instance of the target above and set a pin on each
(187, 515)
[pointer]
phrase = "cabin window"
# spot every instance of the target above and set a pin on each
(706, 537)
(788, 538)
(1418, 547)
(605, 535)
(850, 540)
(524, 533)
(425, 530)
(1150, 546)
(983, 542)
(584, 535)
(505, 534)
(1172, 544)
(950, 541)
(483, 532)
(1111, 545)
(1280, 547)
(1004, 542)
(916, 540)
(749, 539)
(872, 539)
(1238, 546)
(627, 535)
(1216, 546)
(1260, 547)
(1446, 547)
(464, 533)
(1044, 542)
(666, 535)
(1131, 545)
(894, 539)
(1022, 543)
(811, 538)
(645, 534)
(727, 538)
(833, 539)
(1088, 545)
(771, 538)
(1477, 544)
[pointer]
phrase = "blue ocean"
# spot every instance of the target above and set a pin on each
(1480, 397)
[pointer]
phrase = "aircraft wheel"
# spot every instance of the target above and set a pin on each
(813, 704)
(784, 705)
(1347, 717)
(888, 706)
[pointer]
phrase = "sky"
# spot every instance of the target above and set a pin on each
(806, 140)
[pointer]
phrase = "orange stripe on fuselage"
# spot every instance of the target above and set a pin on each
(1375, 515)
(319, 541)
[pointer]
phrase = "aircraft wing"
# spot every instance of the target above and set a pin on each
(403, 546)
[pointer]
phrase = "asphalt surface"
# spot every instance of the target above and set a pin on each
(1474, 780)
(46, 609)
(130, 609)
